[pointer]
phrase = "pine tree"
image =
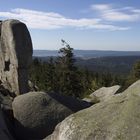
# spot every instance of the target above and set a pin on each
(69, 75)
(50, 80)
(136, 70)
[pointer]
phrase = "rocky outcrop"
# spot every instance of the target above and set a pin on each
(37, 113)
(102, 94)
(34, 115)
(15, 56)
(117, 118)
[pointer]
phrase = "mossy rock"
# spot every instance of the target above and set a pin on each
(37, 113)
(115, 119)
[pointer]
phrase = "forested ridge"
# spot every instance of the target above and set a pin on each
(121, 65)
(68, 75)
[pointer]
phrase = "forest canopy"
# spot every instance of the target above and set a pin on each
(62, 76)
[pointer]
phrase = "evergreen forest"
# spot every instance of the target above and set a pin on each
(61, 75)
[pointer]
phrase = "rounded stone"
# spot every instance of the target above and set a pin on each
(36, 115)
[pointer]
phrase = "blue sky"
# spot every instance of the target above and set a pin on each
(84, 24)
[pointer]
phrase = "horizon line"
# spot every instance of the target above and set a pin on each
(89, 50)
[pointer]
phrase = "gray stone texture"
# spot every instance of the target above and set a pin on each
(36, 114)
(15, 56)
(114, 119)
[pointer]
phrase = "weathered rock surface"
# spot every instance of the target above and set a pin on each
(4, 132)
(105, 93)
(117, 118)
(15, 56)
(102, 94)
(37, 113)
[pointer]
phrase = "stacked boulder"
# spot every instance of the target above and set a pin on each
(15, 58)
(33, 115)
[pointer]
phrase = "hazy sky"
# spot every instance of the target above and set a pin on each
(84, 24)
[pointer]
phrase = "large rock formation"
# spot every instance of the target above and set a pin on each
(115, 119)
(36, 113)
(15, 56)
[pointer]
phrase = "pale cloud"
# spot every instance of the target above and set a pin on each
(101, 7)
(51, 20)
(109, 13)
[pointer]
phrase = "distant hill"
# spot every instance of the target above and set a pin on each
(116, 62)
(113, 64)
(86, 54)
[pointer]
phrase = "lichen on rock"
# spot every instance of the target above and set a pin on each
(115, 119)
